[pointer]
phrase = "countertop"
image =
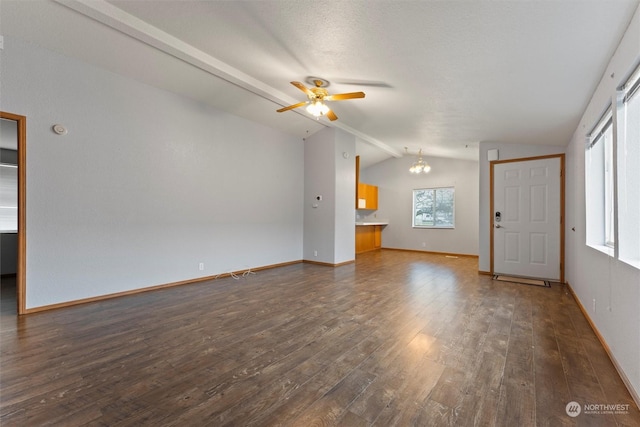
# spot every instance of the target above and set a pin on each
(364, 223)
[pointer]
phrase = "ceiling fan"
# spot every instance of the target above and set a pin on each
(317, 97)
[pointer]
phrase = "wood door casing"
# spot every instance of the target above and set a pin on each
(21, 283)
(535, 194)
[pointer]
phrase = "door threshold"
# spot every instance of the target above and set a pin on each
(522, 280)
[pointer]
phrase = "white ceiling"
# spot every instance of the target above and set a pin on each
(440, 76)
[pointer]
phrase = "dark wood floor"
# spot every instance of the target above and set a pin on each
(396, 339)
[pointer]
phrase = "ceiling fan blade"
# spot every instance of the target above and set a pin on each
(341, 96)
(291, 107)
(304, 89)
(332, 116)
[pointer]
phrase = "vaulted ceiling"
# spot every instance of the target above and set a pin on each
(440, 76)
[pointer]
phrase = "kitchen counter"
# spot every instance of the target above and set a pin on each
(363, 223)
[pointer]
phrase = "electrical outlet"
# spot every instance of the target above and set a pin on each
(594, 305)
(315, 253)
(424, 244)
(201, 266)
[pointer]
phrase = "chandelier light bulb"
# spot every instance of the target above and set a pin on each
(420, 166)
(317, 108)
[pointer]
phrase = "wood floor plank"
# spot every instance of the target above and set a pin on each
(398, 368)
(436, 414)
(349, 419)
(397, 338)
(328, 410)
(517, 392)
(410, 398)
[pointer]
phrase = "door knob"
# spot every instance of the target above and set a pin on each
(498, 226)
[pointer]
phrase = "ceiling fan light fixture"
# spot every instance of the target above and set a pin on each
(317, 96)
(317, 108)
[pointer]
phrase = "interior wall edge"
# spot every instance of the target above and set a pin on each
(627, 382)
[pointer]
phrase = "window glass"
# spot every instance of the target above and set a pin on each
(628, 168)
(434, 207)
(599, 185)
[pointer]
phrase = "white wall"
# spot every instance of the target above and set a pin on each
(329, 234)
(506, 152)
(345, 184)
(593, 275)
(319, 177)
(146, 185)
(395, 193)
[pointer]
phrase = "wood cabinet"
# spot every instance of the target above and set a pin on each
(368, 238)
(367, 196)
(377, 236)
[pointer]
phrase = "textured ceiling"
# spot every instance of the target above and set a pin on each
(438, 75)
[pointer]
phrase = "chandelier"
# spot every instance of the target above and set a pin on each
(420, 166)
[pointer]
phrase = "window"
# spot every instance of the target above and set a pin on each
(612, 177)
(607, 142)
(434, 207)
(628, 171)
(599, 185)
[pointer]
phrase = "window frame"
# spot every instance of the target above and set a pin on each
(435, 190)
(627, 159)
(609, 188)
(599, 184)
(612, 176)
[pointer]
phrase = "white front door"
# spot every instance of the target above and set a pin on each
(526, 218)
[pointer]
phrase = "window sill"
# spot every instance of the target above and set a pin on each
(604, 249)
(635, 263)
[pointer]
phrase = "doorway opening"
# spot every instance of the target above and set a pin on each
(12, 210)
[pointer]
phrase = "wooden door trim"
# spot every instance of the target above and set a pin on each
(561, 156)
(21, 272)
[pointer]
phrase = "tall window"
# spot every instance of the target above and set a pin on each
(434, 207)
(599, 185)
(628, 162)
(612, 177)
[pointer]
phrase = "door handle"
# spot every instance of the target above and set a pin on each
(498, 226)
